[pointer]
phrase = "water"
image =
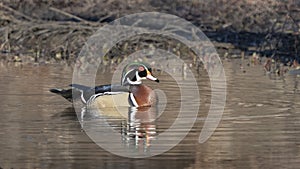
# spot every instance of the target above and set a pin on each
(260, 126)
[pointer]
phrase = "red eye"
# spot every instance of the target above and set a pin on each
(141, 68)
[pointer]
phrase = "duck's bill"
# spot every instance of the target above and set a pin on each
(150, 77)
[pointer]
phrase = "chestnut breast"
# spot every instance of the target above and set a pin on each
(143, 95)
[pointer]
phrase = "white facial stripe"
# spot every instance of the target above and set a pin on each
(133, 83)
(138, 78)
(127, 74)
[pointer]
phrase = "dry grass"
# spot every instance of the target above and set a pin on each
(57, 29)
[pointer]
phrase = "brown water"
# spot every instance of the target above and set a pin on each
(260, 127)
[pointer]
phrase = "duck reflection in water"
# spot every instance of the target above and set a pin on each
(141, 125)
(136, 125)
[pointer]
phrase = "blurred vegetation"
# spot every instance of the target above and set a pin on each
(55, 30)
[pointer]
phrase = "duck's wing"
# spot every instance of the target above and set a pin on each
(110, 88)
(86, 92)
(101, 88)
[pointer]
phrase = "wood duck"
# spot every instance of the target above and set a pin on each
(131, 92)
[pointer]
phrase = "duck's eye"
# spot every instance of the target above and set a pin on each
(143, 73)
(141, 68)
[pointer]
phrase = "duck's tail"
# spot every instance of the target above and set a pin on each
(76, 91)
(67, 94)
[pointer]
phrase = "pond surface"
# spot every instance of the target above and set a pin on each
(260, 127)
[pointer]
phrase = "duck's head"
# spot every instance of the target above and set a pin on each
(135, 72)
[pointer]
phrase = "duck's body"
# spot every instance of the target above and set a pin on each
(131, 92)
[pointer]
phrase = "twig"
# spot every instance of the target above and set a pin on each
(16, 12)
(6, 41)
(69, 15)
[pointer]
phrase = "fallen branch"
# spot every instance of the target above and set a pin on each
(15, 12)
(69, 15)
